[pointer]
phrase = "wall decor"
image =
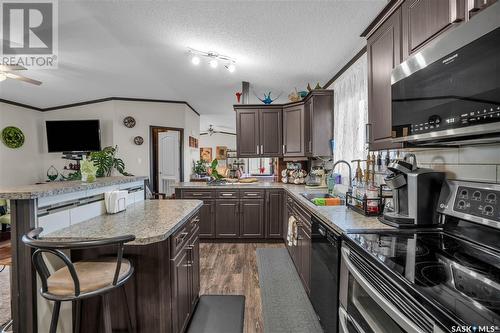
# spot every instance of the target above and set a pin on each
(129, 121)
(221, 152)
(52, 173)
(267, 98)
(238, 96)
(138, 140)
(13, 137)
(193, 142)
(206, 154)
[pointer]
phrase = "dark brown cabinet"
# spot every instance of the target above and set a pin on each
(227, 223)
(252, 218)
(293, 131)
(422, 20)
(247, 129)
(305, 246)
(258, 131)
(384, 53)
(270, 132)
(207, 219)
(274, 216)
(185, 274)
(318, 123)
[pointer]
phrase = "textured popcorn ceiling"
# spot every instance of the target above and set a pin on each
(138, 49)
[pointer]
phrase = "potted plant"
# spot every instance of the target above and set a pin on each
(88, 170)
(106, 160)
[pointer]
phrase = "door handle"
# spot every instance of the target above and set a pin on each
(368, 133)
(258, 150)
(262, 149)
(386, 305)
(284, 149)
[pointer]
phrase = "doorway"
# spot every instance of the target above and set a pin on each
(167, 158)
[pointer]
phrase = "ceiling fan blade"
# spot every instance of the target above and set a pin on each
(23, 78)
(8, 68)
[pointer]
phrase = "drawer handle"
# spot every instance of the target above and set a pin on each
(252, 194)
(182, 235)
(197, 194)
(187, 265)
(227, 194)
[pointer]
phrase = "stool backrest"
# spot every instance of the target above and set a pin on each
(43, 246)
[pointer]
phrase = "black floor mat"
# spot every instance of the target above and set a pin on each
(218, 314)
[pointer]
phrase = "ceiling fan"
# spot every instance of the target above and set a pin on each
(7, 72)
(211, 131)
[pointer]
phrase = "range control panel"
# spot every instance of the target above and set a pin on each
(484, 203)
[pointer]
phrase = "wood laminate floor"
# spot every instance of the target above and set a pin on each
(231, 269)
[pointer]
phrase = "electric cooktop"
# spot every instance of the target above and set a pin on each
(459, 276)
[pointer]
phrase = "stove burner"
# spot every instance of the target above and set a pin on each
(431, 274)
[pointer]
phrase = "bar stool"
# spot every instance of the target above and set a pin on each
(82, 279)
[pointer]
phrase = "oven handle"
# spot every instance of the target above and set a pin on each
(387, 306)
(343, 319)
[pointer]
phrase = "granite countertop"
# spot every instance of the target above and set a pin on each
(339, 218)
(62, 187)
(150, 221)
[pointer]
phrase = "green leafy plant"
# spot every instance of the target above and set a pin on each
(200, 168)
(213, 168)
(72, 176)
(106, 160)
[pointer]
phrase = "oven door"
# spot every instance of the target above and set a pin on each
(366, 305)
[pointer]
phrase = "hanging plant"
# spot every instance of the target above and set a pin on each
(106, 160)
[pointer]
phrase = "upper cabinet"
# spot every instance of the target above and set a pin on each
(291, 130)
(424, 19)
(397, 33)
(247, 129)
(384, 53)
(258, 132)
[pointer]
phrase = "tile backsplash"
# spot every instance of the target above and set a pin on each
(474, 163)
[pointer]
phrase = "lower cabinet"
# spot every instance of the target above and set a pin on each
(274, 214)
(227, 223)
(207, 219)
(185, 278)
(252, 218)
(181, 298)
(304, 247)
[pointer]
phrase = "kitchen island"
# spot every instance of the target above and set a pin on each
(164, 289)
(75, 210)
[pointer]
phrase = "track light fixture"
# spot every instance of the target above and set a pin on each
(213, 59)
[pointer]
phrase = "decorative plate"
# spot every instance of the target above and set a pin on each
(12, 137)
(129, 122)
(138, 140)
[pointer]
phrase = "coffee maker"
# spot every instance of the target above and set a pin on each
(415, 193)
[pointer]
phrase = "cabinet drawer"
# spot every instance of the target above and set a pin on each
(198, 194)
(181, 236)
(228, 194)
(252, 194)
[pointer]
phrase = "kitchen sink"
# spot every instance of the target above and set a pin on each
(316, 198)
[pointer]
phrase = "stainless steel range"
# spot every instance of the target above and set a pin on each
(441, 280)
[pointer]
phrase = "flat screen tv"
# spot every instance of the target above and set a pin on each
(73, 136)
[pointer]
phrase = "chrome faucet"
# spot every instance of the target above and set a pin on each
(350, 171)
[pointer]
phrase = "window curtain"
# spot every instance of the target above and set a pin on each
(350, 115)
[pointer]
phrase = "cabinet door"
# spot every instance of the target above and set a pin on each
(305, 258)
(207, 219)
(181, 291)
(247, 132)
(424, 19)
(271, 133)
(274, 214)
(384, 53)
(293, 131)
(252, 218)
(227, 219)
(308, 114)
(475, 6)
(194, 246)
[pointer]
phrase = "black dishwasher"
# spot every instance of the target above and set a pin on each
(325, 263)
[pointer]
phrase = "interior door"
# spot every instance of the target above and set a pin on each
(169, 166)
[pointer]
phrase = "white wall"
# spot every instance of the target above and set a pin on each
(113, 132)
(218, 139)
(21, 166)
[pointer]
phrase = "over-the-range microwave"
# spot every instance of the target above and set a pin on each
(449, 92)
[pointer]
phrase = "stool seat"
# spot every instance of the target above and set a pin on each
(92, 274)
